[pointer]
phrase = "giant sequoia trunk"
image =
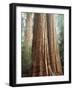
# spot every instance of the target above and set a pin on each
(53, 45)
(40, 50)
(45, 52)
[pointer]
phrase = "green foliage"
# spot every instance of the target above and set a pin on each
(60, 32)
(26, 56)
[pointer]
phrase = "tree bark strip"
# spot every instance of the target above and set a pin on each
(40, 53)
(54, 51)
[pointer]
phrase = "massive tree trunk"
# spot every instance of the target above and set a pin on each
(53, 45)
(40, 50)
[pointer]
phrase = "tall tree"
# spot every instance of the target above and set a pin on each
(26, 50)
(53, 45)
(40, 50)
(28, 31)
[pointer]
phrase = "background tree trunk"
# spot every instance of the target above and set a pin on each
(28, 31)
(26, 61)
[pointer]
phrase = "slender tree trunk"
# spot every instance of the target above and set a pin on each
(28, 31)
(28, 43)
(40, 51)
(53, 46)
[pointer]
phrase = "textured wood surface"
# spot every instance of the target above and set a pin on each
(45, 52)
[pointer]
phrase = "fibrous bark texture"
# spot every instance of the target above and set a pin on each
(45, 53)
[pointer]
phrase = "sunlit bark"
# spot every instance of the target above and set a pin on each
(53, 45)
(40, 51)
